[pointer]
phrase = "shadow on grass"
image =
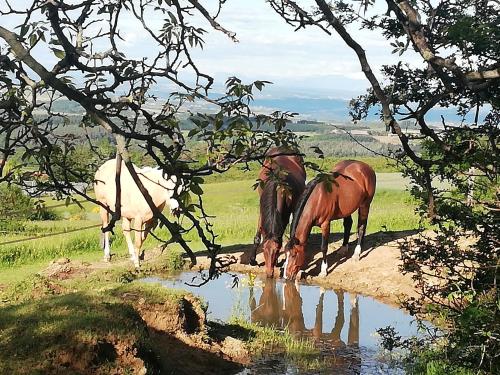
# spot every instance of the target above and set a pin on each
(80, 333)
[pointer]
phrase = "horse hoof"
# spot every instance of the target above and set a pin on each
(107, 259)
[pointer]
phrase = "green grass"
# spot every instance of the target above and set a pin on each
(43, 320)
(234, 205)
(263, 341)
(379, 164)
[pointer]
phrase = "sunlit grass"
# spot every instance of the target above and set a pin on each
(233, 204)
(264, 340)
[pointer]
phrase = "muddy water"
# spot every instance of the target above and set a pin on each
(343, 325)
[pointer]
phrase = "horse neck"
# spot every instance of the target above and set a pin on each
(165, 185)
(302, 219)
(272, 218)
(304, 227)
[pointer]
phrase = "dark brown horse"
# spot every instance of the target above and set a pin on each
(283, 180)
(352, 189)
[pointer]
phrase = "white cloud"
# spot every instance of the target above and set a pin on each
(269, 49)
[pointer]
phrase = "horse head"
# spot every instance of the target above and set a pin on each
(173, 203)
(295, 257)
(271, 248)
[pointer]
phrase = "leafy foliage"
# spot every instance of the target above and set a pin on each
(456, 267)
(113, 90)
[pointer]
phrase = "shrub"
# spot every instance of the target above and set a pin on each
(14, 204)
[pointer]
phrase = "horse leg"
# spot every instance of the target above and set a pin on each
(362, 222)
(139, 236)
(126, 232)
(318, 322)
(325, 234)
(347, 233)
(256, 243)
(105, 235)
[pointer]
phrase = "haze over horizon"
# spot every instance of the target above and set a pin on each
(307, 63)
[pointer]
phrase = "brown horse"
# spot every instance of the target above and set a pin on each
(352, 189)
(283, 178)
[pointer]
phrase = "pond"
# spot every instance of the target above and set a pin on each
(343, 325)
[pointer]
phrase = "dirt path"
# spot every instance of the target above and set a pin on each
(377, 273)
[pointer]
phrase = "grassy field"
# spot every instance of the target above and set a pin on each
(45, 321)
(379, 164)
(234, 205)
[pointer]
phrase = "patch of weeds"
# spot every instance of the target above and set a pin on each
(302, 352)
(173, 260)
(34, 286)
(73, 331)
(153, 293)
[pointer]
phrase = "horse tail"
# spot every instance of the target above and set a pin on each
(301, 204)
(272, 222)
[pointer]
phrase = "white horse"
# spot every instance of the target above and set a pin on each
(133, 204)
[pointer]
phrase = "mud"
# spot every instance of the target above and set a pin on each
(376, 274)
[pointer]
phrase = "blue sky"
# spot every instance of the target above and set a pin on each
(307, 63)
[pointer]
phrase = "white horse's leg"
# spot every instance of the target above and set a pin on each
(107, 248)
(105, 221)
(126, 224)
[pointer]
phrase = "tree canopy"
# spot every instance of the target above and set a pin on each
(446, 56)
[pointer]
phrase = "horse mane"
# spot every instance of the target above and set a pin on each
(301, 204)
(272, 220)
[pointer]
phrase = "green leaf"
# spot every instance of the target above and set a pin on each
(59, 54)
(32, 40)
(196, 189)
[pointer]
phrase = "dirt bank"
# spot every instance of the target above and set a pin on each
(88, 318)
(377, 274)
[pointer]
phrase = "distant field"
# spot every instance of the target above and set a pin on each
(233, 203)
(379, 164)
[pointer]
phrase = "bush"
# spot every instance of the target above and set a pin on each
(14, 204)
(43, 213)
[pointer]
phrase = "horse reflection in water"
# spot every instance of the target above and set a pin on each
(286, 311)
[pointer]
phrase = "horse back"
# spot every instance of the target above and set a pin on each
(133, 203)
(356, 181)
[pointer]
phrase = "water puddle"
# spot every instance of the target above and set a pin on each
(343, 325)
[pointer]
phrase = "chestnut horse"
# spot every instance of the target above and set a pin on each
(352, 189)
(283, 178)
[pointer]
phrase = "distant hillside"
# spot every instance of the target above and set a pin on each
(326, 109)
(322, 109)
